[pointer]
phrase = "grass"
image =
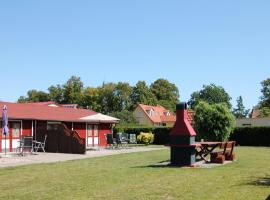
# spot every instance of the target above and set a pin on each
(130, 176)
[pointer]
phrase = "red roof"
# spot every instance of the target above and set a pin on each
(47, 113)
(171, 118)
(158, 114)
(46, 103)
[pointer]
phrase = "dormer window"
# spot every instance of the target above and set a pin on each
(151, 112)
(167, 113)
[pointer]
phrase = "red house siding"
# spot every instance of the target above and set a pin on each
(27, 128)
(27, 125)
(68, 124)
(103, 129)
(80, 128)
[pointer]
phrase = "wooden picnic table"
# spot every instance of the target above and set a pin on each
(203, 149)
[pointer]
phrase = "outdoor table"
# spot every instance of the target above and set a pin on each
(203, 149)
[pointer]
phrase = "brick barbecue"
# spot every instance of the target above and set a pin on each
(182, 139)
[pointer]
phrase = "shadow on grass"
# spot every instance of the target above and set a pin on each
(264, 181)
(162, 164)
(165, 164)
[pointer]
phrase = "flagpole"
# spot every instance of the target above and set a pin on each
(5, 144)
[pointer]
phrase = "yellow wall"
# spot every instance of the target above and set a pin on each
(170, 124)
(141, 117)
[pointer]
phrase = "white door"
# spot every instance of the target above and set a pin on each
(92, 135)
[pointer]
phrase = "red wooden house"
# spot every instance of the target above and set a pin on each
(32, 119)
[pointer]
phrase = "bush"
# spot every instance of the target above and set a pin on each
(161, 134)
(213, 122)
(145, 138)
(251, 136)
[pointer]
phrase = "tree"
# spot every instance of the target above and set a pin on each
(240, 111)
(91, 99)
(142, 94)
(22, 99)
(72, 90)
(122, 92)
(107, 98)
(34, 96)
(264, 112)
(211, 94)
(265, 98)
(213, 122)
(56, 93)
(125, 116)
(166, 93)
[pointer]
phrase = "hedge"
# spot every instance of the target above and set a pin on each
(161, 134)
(251, 136)
(246, 136)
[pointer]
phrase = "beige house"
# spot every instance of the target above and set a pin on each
(154, 116)
(252, 122)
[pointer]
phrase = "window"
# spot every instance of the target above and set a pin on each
(95, 130)
(89, 130)
(246, 124)
(16, 127)
(52, 125)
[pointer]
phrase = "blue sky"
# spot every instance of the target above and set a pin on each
(190, 43)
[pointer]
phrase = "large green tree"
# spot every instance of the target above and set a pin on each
(72, 90)
(122, 92)
(142, 94)
(213, 122)
(56, 93)
(125, 116)
(107, 98)
(34, 96)
(265, 98)
(240, 111)
(92, 99)
(166, 93)
(264, 112)
(211, 94)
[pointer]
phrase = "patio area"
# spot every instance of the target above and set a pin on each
(13, 159)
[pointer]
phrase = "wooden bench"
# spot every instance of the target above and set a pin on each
(226, 154)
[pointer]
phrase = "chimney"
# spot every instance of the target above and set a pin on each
(182, 139)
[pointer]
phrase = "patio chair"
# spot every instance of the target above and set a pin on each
(25, 143)
(110, 140)
(40, 145)
(121, 140)
(132, 139)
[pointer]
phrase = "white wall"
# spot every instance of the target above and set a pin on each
(253, 122)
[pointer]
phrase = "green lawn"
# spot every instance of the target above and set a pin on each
(130, 176)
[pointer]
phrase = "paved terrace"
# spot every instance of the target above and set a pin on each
(11, 160)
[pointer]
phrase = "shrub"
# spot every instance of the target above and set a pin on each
(161, 134)
(251, 136)
(213, 122)
(145, 138)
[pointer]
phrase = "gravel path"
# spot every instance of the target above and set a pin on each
(12, 160)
